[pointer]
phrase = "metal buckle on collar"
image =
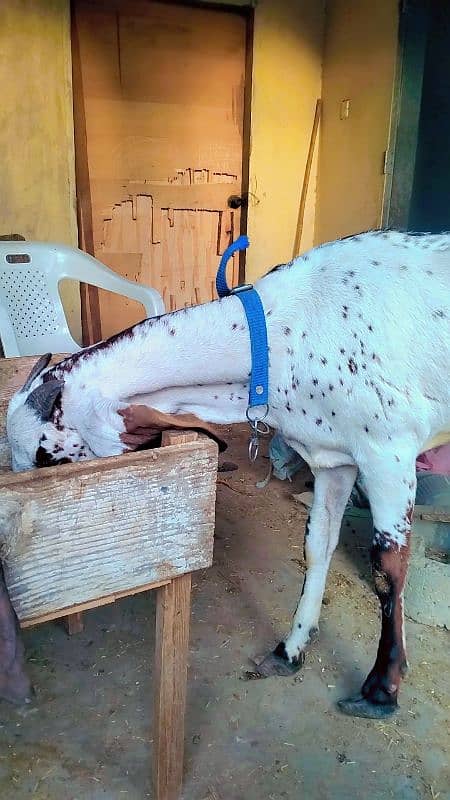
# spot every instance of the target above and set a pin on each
(245, 287)
(259, 428)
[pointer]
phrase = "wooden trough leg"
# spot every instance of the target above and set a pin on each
(73, 623)
(172, 640)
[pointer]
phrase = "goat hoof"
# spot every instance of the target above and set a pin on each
(362, 707)
(277, 664)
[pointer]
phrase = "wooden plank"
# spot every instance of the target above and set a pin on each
(178, 437)
(90, 309)
(170, 679)
(434, 515)
(99, 601)
(139, 518)
(73, 623)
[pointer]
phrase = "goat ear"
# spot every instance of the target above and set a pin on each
(43, 398)
(40, 365)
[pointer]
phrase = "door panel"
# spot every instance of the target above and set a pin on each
(162, 91)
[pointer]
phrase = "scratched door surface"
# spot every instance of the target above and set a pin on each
(162, 90)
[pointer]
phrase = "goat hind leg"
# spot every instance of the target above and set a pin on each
(390, 553)
(331, 491)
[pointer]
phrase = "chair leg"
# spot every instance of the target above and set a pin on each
(170, 681)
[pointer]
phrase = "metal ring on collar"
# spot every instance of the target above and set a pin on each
(257, 422)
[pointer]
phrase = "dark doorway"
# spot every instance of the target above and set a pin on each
(418, 175)
(430, 201)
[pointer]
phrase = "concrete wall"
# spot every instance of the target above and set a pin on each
(37, 186)
(359, 64)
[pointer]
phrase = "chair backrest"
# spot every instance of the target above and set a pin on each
(31, 310)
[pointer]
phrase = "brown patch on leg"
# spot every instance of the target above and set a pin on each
(389, 565)
(14, 683)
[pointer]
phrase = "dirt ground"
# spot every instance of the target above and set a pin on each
(88, 734)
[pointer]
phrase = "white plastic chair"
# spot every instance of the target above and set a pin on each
(32, 319)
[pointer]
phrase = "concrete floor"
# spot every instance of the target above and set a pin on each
(88, 734)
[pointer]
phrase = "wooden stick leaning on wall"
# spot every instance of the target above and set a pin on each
(90, 305)
(306, 178)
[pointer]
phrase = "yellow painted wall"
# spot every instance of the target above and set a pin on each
(287, 67)
(287, 78)
(36, 137)
(36, 132)
(36, 169)
(359, 63)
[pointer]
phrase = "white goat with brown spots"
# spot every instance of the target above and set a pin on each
(359, 337)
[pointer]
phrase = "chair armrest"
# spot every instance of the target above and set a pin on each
(87, 269)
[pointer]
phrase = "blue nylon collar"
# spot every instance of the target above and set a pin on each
(259, 378)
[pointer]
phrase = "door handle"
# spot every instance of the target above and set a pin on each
(237, 201)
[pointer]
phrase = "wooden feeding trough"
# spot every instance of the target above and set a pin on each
(77, 536)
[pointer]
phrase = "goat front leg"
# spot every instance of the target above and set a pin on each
(332, 489)
(392, 510)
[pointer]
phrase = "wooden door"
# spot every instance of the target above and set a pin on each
(159, 102)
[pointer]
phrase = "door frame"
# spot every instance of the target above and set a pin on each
(414, 21)
(90, 306)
